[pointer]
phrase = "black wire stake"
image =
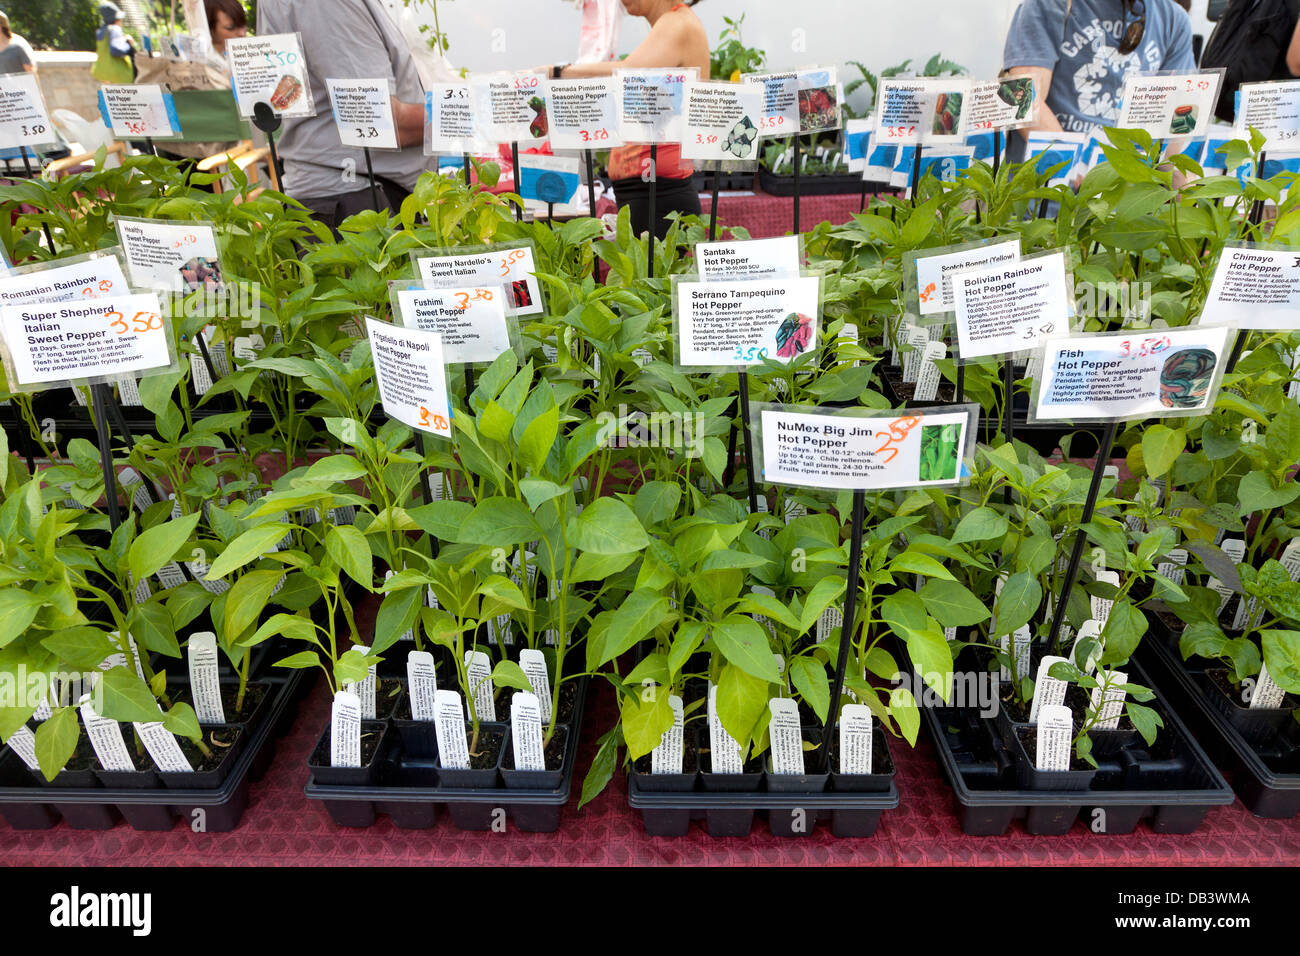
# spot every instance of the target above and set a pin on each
(749, 442)
(713, 208)
(99, 398)
(1234, 356)
(798, 162)
(514, 158)
(916, 172)
(465, 159)
(27, 165)
(591, 181)
(149, 145)
(997, 152)
(654, 195)
(268, 121)
(370, 175)
(846, 628)
(1080, 536)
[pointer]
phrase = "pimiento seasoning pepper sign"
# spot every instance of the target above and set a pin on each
(583, 114)
(896, 450)
(1152, 373)
(1255, 288)
(411, 375)
(61, 342)
(725, 324)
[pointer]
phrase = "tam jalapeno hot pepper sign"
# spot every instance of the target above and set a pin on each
(1166, 105)
(1128, 375)
(65, 342)
(809, 448)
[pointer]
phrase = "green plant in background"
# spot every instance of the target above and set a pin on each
(935, 66)
(730, 58)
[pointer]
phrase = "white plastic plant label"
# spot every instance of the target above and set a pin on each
(163, 747)
(729, 324)
(830, 619)
(1170, 105)
(855, 739)
(917, 339)
(582, 114)
(365, 688)
(65, 343)
(526, 732)
(449, 119)
(1101, 606)
(23, 743)
(1055, 729)
(748, 260)
(1008, 309)
(1128, 375)
(471, 322)
(934, 273)
(453, 748)
(412, 376)
(920, 447)
(1255, 287)
(1290, 559)
(106, 738)
(533, 663)
(1108, 709)
(1235, 549)
(651, 104)
(345, 730)
(921, 109)
(1021, 643)
(928, 375)
(1048, 690)
(724, 752)
(24, 120)
(509, 107)
(421, 685)
(87, 277)
(721, 120)
(205, 680)
(786, 736)
(1001, 104)
(1266, 695)
(171, 256)
(478, 671)
(1175, 566)
(669, 756)
(511, 266)
(273, 70)
(363, 113)
(134, 111)
(1273, 108)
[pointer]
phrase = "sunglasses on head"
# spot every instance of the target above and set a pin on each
(1133, 29)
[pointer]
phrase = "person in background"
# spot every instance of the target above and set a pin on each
(14, 57)
(677, 39)
(227, 20)
(115, 49)
(347, 39)
(1079, 51)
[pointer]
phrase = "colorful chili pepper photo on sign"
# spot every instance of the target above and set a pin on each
(794, 335)
(947, 114)
(938, 452)
(1186, 377)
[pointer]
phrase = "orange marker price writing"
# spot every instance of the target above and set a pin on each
(898, 430)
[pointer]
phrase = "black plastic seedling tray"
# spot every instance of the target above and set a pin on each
(851, 805)
(410, 792)
(1265, 774)
(26, 805)
(978, 765)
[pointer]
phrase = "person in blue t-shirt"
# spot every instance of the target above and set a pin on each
(1078, 51)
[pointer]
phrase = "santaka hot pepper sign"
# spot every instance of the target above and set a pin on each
(820, 450)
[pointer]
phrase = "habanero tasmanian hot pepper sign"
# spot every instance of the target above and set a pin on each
(814, 448)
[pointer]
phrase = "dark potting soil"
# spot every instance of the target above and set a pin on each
(83, 758)
(489, 748)
(387, 690)
(219, 740)
(946, 392)
(253, 695)
(690, 756)
(1029, 737)
(553, 754)
(881, 762)
(568, 701)
(1219, 677)
(320, 757)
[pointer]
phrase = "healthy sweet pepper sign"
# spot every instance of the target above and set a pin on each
(898, 450)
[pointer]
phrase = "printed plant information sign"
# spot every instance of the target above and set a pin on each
(916, 448)
(143, 110)
(66, 342)
(448, 119)
(777, 258)
(509, 107)
(583, 114)
(1172, 105)
(1130, 375)
(650, 104)
(23, 118)
(1000, 104)
(173, 256)
(513, 268)
(934, 274)
(363, 113)
(721, 121)
(270, 69)
(1011, 308)
(723, 324)
(411, 375)
(471, 323)
(1273, 109)
(780, 102)
(922, 109)
(89, 279)
(1255, 288)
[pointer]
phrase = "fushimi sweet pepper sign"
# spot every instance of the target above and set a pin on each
(898, 450)
(51, 343)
